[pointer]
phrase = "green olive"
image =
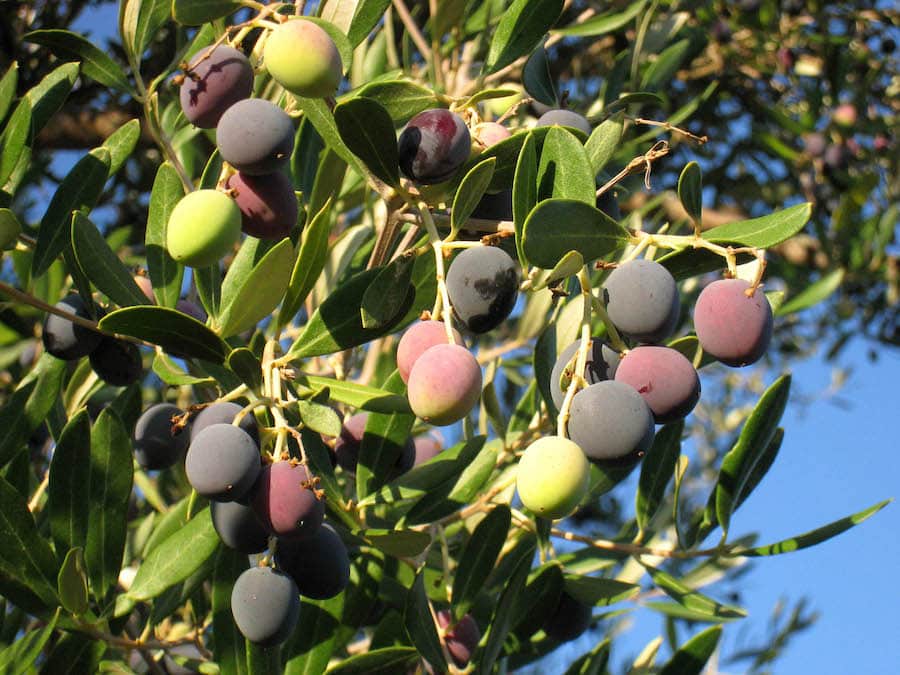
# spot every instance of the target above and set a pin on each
(303, 59)
(203, 227)
(553, 477)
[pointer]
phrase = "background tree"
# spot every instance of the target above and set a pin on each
(778, 103)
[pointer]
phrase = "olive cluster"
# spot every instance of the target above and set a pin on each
(255, 506)
(115, 361)
(625, 394)
(253, 135)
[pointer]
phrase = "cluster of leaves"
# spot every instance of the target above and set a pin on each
(88, 586)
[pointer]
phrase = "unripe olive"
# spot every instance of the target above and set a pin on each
(303, 59)
(203, 227)
(553, 477)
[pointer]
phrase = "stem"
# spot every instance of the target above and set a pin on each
(581, 359)
(442, 301)
(633, 549)
(414, 32)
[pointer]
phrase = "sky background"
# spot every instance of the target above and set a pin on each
(835, 460)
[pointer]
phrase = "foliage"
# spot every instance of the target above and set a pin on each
(735, 141)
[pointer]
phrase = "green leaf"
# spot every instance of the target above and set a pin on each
(690, 191)
(73, 654)
(507, 154)
(8, 89)
(470, 191)
(228, 642)
(151, 17)
(195, 12)
(29, 405)
(165, 273)
(320, 456)
(337, 322)
(16, 136)
(320, 418)
(102, 266)
(812, 537)
(383, 443)
(108, 495)
(564, 171)
(309, 264)
(175, 332)
(368, 130)
(739, 462)
(420, 625)
(243, 363)
(387, 661)
(320, 116)
(171, 373)
(607, 22)
(399, 543)
(692, 600)
(593, 662)
(70, 475)
(692, 656)
(25, 556)
(25, 652)
(50, 93)
(71, 582)
(813, 294)
(556, 226)
(479, 557)
(401, 99)
(121, 143)
(521, 28)
(656, 470)
(491, 644)
(603, 142)
(312, 645)
(260, 291)
(569, 265)
(359, 396)
(420, 480)
(537, 79)
(666, 65)
(367, 15)
(456, 493)
(525, 196)
(539, 599)
(176, 558)
(80, 189)
(598, 590)
(95, 63)
(209, 288)
(388, 292)
(763, 232)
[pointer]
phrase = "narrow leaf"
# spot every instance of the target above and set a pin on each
(8, 89)
(604, 23)
(80, 189)
(420, 625)
(121, 144)
(383, 443)
(813, 537)
(598, 590)
(400, 98)
(564, 171)
(260, 291)
(16, 136)
(521, 28)
(196, 12)
(228, 642)
(110, 490)
(470, 191)
(656, 471)
(71, 582)
(479, 557)
(537, 78)
(359, 396)
(95, 63)
(175, 332)
(814, 294)
(102, 266)
(692, 656)
(556, 226)
(368, 130)
(399, 543)
(310, 650)
(739, 462)
(690, 191)
(693, 600)
(525, 196)
(603, 142)
(387, 294)
(386, 661)
(176, 558)
(367, 15)
(70, 475)
(309, 264)
(165, 273)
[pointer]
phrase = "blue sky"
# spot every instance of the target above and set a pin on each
(834, 461)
